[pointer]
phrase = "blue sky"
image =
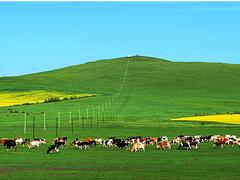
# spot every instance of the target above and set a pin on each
(42, 36)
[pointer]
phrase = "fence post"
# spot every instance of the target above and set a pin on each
(44, 122)
(33, 128)
(25, 123)
(70, 117)
(59, 119)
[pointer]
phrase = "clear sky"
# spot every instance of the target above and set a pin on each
(42, 36)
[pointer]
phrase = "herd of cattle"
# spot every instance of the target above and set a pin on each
(133, 144)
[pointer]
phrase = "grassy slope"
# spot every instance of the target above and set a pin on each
(154, 91)
(155, 87)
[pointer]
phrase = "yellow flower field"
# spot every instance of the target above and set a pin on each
(227, 118)
(36, 96)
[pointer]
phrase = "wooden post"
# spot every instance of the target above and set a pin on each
(70, 117)
(92, 117)
(33, 128)
(57, 126)
(72, 125)
(44, 121)
(97, 114)
(102, 113)
(87, 115)
(25, 123)
(59, 119)
(79, 119)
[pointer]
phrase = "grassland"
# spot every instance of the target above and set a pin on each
(154, 92)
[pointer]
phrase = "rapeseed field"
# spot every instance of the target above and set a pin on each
(226, 118)
(35, 96)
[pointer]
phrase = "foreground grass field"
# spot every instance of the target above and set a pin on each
(112, 163)
(153, 92)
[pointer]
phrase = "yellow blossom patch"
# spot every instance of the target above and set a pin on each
(36, 96)
(227, 118)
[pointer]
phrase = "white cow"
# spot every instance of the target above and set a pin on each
(138, 147)
(19, 141)
(36, 143)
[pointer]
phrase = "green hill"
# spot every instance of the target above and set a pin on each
(153, 88)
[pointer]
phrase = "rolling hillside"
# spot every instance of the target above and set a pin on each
(153, 88)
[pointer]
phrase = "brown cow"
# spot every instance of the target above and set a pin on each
(164, 145)
(87, 140)
(3, 140)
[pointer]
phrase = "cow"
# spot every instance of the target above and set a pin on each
(10, 144)
(230, 136)
(35, 143)
(60, 142)
(3, 140)
(108, 143)
(163, 145)
(205, 138)
(98, 140)
(26, 142)
(138, 147)
(87, 139)
(184, 145)
(220, 142)
(194, 144)
(162, 138)
(81, 144)
(53, 148)
(176, 140)
(122, 144)
(19, 141)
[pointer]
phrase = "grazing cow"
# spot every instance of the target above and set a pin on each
(184, 145)
(3, 140)
(176, 140)
(122, 144)
(138, 147)
(26, 142)
(205, 138)
(19, 141)
(163, 145)
(53, 148)
(98, 140)
(162, 138)
(220, 142)
(87, 139)
(10, 144)
(194, 144)
(232, 137)
(60, 142)
(92, 143)
(214, 137)
(237, 142)
(108, 143)
(81, 144)
(35, 143)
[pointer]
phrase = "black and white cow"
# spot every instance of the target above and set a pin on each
(53, 148)
(10, 144)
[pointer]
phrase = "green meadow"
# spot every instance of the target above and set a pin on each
(135, 96)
